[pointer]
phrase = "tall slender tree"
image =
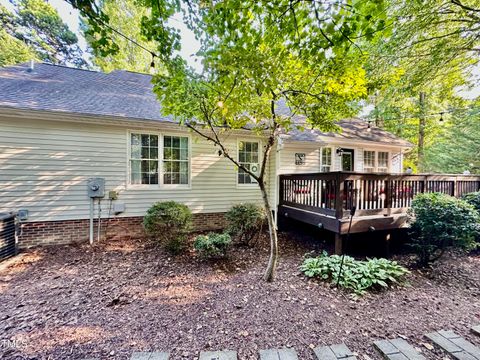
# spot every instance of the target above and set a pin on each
(257, 55)
(38, 25)
(12, 50)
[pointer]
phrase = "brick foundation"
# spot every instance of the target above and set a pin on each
(64, 232)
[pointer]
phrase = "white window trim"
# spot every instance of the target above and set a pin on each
(389, 162)
(376, 151)
(374, 160)
(178, 186)
(160, 185)
(332, 159)
(260, 159)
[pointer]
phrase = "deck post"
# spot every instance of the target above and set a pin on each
(340, 193)
(338, 244)
(387, 244)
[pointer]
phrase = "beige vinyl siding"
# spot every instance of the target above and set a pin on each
(313, 154)
(44, 166)
(287, 158)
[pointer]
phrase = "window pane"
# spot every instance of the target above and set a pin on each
(175, 154)
(153, 153)
(248, 154)
(143, 148)
(167, 179)
(167, 154)
(383, 159)
(153, 167)
(183, 179)
(145, 140)
(167, 166)
(175, 166)
(369, 159)
(144, 166)
(175, 142)
(167, 141)
(154, 140)
(135, 166)
(135, 138)
(184, 167)
(135, 178)
(184, 143)
(184, 154)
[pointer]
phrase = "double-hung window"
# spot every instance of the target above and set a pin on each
(248, 155)
(369, 161)
(175, 160)
(326, 164)
(382, 161)
(147, 153)
(143, 159)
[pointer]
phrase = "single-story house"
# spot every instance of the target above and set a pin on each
(60, 126)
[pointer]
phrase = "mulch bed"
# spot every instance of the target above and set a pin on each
(121, 296)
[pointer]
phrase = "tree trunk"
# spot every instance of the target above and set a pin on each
(272, 262)
(421, 133)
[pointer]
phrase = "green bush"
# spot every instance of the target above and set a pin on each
(212, 245)
(439, 221)
(244, 222)
(357, 276)
(168, 223)
(473, 199)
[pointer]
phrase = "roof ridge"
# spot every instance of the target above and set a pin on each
(68, 67)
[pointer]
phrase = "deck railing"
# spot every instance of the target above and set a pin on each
(335, 193)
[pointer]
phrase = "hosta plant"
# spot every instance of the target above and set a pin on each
(357, 276)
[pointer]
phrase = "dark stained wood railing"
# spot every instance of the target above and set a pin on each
(335, 193)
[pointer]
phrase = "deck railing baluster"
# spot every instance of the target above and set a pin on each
(372, 194)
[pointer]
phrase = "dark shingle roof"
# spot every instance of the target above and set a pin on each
(126, 94)
(352, 129)
(58, 88)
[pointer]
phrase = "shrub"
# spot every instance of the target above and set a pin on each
(439, 221)
(244, 222)
(168, 223)
(212, 245)
(473, 199)
(357, 276)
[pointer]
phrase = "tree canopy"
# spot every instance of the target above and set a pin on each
(35, 27)
(125, 16)
(432, 49)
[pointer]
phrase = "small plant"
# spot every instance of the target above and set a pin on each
(357, 276)
(473, 199)
(244, 222)
(439, 221)
(212, 245)
(168, 223)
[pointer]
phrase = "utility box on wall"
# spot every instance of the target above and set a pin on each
(96, 187)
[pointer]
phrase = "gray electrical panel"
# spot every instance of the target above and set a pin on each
(96, 187)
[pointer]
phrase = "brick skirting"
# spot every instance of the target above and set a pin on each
(64, 232)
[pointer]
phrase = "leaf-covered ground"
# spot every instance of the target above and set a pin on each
(121, 296)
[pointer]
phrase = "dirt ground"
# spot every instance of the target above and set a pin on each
(106, 301)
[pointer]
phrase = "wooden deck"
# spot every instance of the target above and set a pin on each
(381, 200)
